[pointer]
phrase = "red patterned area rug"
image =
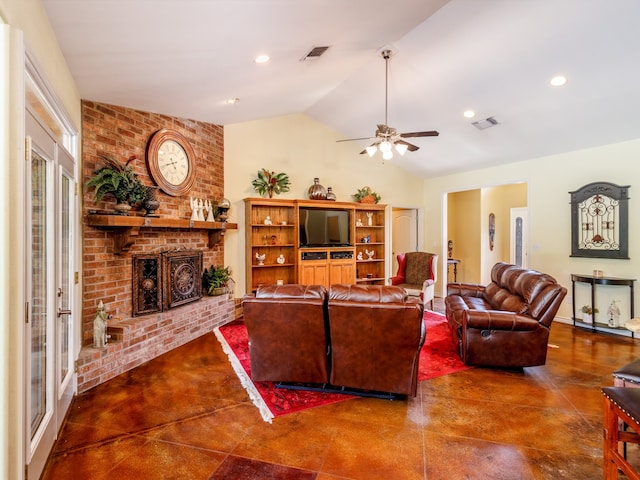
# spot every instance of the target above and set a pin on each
(437, 357)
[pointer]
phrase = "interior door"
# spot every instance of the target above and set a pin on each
(51, 235)
(404, 233)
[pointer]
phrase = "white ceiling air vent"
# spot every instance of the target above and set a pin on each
(314, 54)
(486, 123)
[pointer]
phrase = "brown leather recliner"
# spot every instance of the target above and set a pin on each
(506, 323)
(287, 334)
(376, 336)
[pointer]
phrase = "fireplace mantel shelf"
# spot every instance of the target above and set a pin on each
(127, 228)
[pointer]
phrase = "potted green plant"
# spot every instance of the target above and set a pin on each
(119, 181)
(215, 279)
(588, 313)
(271, 182)
(366, 195)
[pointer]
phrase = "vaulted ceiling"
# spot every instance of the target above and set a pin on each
(496, 57)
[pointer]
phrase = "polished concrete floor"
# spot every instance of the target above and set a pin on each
(185, 415)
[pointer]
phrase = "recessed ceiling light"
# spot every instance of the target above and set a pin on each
(262, 58)
(469, 114)
(558, 81)
(231, 101)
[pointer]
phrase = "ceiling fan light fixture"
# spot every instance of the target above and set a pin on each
(371, 150)
(401, 148)
(385, 146)
(387, 155)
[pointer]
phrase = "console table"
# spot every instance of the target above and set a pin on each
(594, 281)
(454, 262)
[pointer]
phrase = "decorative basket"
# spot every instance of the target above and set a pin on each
(219, 291)
(368, 199)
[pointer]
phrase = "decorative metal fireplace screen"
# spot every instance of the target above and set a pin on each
(166, 280)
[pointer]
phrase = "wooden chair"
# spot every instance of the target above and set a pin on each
(620, 405)
(417, 274)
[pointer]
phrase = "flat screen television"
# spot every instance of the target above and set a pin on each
(324, 227)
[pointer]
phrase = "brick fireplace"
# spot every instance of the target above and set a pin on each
(108, 276)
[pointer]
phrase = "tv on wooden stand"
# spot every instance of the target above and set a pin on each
(324, 227)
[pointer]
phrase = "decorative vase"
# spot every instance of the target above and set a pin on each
(151, 204)
(122, 208)
(587, 318)
(317, 191)
(330, 195)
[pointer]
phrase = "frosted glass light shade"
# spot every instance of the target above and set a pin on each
(401, 148)
(387, 155)
(371, 150)
(385, 146)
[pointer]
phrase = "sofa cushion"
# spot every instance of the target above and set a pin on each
(367, 293)
(292, 291)
(503, 299)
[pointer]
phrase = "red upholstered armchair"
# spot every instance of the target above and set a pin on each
(417, 274)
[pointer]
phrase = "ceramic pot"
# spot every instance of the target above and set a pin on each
(317, 191)
(151, 204)
(122, 208)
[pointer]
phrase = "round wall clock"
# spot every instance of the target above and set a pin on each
(171, 162)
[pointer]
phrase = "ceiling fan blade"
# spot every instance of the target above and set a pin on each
(430, 133)
(410, 147)
(354, 139)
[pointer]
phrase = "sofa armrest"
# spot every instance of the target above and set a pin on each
(465, 289)
(498, 320)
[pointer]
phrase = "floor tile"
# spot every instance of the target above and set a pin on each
(185, 415)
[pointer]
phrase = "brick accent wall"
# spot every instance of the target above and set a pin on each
(122, 132)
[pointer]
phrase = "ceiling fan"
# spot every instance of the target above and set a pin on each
(386, 138)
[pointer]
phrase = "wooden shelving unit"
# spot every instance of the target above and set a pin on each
(370, 237)
(271, 240)
(319, 266)
(126, 228)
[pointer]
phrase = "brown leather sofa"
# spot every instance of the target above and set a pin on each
(358, 339)
(506, 323)
(376, 336)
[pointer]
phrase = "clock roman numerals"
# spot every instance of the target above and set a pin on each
(170, 159)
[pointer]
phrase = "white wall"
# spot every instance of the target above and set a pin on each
(549, 181)
(304, 149)
(26, 26)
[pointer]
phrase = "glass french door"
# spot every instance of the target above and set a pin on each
(51, 235)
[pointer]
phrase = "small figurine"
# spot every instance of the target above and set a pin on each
(267, 220)
(360, 256)
(370, 218)
(369, 254)
(280, 259)
(210, 209)
(194, 208)
(100, 336)
(359, 223)
(260, 258)
(200, 209)
(614, 315)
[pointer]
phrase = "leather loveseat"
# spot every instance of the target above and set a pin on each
(506, 323)
(355, 339)
(376, 336)
(287, 333)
